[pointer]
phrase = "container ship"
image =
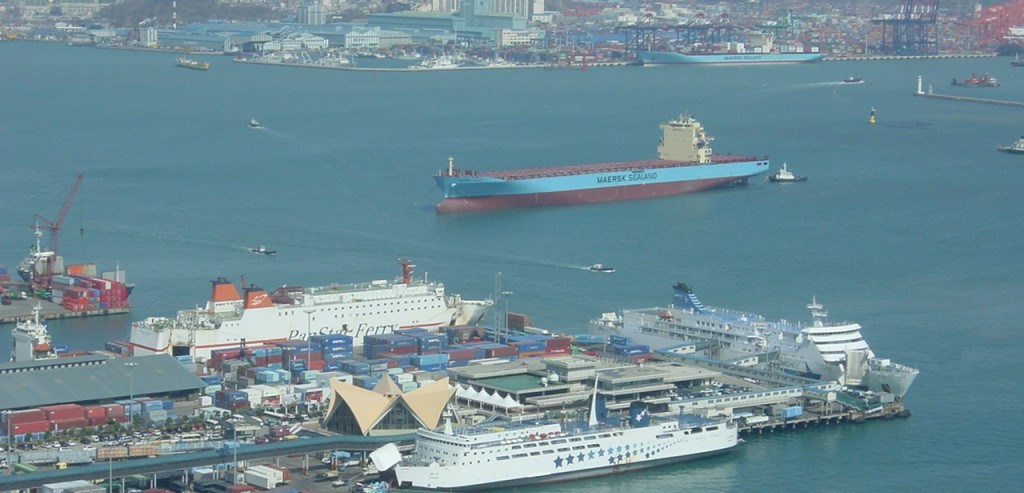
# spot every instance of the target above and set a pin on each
(761, 50)
(823, 351)
(685, 164)
(76, 287)
(295, 312)
(546, 452)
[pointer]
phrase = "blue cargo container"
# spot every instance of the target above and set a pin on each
(338, 355)
(430, 360)
(791, 412)
(168, 405)
(332, 366)
(620, 340)
(211, 379)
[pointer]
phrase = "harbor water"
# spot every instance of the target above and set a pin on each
(908, 226)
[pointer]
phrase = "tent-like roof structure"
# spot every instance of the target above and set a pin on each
(369, 407)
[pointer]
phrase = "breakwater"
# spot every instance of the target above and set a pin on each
(967, 99)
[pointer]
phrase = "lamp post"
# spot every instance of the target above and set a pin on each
(506, 295)
(131, 388)
(309, 333)
(10, 443)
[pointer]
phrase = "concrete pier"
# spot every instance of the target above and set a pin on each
(920, 92)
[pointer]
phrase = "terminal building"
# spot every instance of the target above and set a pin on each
(385, 410)
(94, 379)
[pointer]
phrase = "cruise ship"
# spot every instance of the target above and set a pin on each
(295, 312)
(823, 350)
(685, 164)
(509, 455)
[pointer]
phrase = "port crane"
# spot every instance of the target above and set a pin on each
(42, 277)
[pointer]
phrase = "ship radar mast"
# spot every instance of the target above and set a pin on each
(817, 311)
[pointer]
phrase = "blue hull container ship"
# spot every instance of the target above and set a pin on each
(760, 50)
(685, 164)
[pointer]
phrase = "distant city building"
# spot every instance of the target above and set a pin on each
(148, 36)
(376, 38)
(508, 37)
(312, 12)
(80, 10)
(447, 6)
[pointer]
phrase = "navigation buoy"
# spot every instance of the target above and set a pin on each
(871, 119)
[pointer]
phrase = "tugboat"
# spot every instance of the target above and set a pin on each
(853, 80)
(1015, 148)
(784, 176)
(977, 81)
(1017, 62)
(262, 250)
(254, 123)
(601, 268)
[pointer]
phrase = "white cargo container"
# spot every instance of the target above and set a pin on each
(259, 480)
(60, 487)
(270, 472)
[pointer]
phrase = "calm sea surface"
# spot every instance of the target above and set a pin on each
(910, 227)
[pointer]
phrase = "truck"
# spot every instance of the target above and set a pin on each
(331, 475)
(755, 420)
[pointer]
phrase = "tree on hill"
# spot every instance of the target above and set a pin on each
(160, 13)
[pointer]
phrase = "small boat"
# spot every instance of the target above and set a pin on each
(262, 250)
(853, 80)
(977, 81)
(192, 64)
(1017, 62)
(601, 268)
(1015, 148)
(784, 176)
(254, 123)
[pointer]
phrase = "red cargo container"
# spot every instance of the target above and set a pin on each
(30, 427)
(26, 416)
(557, 351)
(286, 474)
(95, 412)
(98, 421)
(460, 354)
(532, 354)
(63, 411)
(120, 419)
(559, 342)
(317, 364)
(240, 488)
(112, 410)
(501, 351)
(68, 424)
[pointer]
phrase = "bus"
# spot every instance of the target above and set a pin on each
(190, 437)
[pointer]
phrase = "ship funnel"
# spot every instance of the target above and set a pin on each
(683, 297)
(222, 292)
(407, 269)
(256, 298)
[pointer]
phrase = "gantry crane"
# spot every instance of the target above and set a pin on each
(43, 274)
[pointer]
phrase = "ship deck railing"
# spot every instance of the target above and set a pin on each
(585, 169)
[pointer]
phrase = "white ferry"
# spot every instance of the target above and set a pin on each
(294, 312)
(822, 351)
(517, 454)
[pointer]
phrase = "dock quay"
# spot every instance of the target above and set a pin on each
(966, 99)
(21, 309)
(811, 418)
(946, 56)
